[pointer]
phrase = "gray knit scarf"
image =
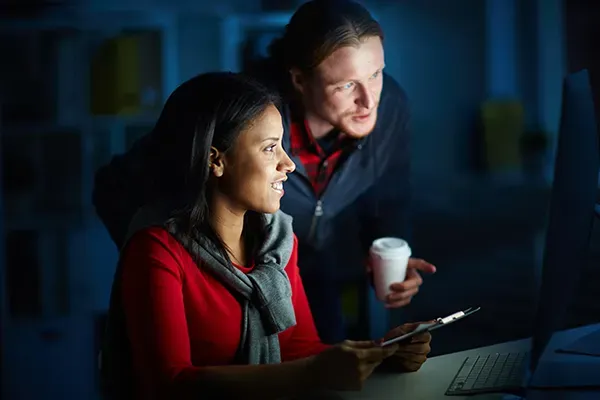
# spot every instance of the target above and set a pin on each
(264, 293)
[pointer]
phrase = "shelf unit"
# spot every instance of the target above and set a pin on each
(51, 145)
(52, 142)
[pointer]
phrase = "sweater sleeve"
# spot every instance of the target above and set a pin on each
(304, 340)
(155, 318)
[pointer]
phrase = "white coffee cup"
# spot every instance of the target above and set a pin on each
(389, 258)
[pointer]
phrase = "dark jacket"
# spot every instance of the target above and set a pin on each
(368, 195)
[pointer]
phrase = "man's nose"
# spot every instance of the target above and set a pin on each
(366, 98)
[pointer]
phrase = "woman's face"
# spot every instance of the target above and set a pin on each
(252, 172)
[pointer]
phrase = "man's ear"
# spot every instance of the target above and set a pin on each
(298, 80)
(215, 162)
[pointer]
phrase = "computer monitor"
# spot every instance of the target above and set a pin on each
(571, 217)
(572, 210)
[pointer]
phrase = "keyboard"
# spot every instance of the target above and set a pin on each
(489, 373)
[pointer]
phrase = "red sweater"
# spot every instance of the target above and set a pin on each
(180, 318)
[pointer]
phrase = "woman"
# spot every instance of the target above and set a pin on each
(207, 299)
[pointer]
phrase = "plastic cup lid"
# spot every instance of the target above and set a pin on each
(391, 246)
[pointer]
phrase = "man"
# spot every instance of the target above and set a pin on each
(346, 128)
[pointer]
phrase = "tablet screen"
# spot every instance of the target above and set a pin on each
(427, 326)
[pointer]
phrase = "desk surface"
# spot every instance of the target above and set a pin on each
(434, 377)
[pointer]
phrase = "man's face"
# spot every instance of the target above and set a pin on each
(344, 90)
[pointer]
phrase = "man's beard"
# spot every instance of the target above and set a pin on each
(345, 122)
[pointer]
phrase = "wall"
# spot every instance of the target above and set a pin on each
(501, 42)
(583, 42)
(199, 35)
(209, 7)
(527, 59)
(435, 49)
(450, 56)
(552, 62)
(552, 68)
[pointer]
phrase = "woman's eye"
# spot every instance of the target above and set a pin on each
(271, 148)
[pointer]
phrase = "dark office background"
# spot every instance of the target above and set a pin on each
(81, 80)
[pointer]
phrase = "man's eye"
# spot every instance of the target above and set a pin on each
(347, 86)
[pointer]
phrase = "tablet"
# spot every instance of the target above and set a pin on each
(429, 326)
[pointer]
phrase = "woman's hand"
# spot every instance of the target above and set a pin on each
(346, 366)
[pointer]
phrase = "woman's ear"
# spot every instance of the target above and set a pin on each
(215, 162)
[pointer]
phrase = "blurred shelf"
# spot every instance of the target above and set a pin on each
(61, 257)
(141, 119)
(41, 128)
(93, 20)
(45, 221)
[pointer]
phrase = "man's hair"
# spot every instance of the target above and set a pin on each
(320, 27)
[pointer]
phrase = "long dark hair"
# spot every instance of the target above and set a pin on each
(209, 110)
(320, 27)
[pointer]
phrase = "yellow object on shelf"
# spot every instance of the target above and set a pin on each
(503, 125)
(124, 70)
(115, 87)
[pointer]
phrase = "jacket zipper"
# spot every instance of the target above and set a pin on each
(315, 219)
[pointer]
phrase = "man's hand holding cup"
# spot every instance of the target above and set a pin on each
(395, 273)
